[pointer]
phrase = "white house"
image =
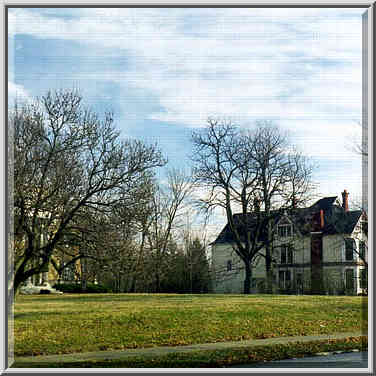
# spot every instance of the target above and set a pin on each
(321, 249)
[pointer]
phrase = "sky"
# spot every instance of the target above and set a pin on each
(165, 71)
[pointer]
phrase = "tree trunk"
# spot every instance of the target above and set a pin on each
(83, 276)
(269, 271)
(139, 260)
(157, 278)
(268, 260)
(21, 276)
(157, 283)
(269, 277)
(248, 278)
(16, 285)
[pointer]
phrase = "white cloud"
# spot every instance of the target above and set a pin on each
(17, 93)
(303, 65)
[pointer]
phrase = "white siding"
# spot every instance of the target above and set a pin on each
(232, 281)
(333, 274)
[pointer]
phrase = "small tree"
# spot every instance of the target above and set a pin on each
(197, 267)
(166, 205)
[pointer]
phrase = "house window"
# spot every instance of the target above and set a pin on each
(286, 254)
(350, 246)
(363, 278)
(284, 230)
(349, 279)
(284, 279)
(68, 273)
(362, 250)
(229, 265)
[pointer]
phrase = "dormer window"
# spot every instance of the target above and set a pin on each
(284, 230)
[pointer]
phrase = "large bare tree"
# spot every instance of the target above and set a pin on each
(66, 160)
(284, 179)
(254, 173)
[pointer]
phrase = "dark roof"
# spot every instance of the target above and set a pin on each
(306, 220)
(325, 203)
(226, 235)
(341, 222)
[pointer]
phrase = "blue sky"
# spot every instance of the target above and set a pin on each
(165, 71)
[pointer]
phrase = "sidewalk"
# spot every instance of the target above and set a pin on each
(158, 351)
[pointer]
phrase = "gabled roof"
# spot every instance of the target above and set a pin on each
(306, 220)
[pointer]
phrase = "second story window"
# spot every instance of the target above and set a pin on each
(284, 230)
(349, 249)
(286, 254)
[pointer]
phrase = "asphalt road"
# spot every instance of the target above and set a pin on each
(344, 360)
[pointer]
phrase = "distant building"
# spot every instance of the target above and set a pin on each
(49, 275)
(321, 249)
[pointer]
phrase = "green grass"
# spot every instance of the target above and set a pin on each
(59, 324)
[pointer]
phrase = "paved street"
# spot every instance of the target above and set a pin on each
(345, 360)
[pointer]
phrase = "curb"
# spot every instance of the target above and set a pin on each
(335, 352)
(160, 351)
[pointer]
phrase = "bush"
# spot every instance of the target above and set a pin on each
(68, 287)
(97, 288)
(77, 288)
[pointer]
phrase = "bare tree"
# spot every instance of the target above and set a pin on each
(360, 146)
(166, 211)
(66, 159)
(108, 241)
(253, 172)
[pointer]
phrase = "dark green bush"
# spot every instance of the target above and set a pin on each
(77, 288)
(97, 288)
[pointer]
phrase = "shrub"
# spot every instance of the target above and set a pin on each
(68, 287)
(97, 288)
(77, 288)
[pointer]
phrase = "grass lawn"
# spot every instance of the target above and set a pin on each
(57, 324)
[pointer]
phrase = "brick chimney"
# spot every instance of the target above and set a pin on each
(321, 218)
(345, 200)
